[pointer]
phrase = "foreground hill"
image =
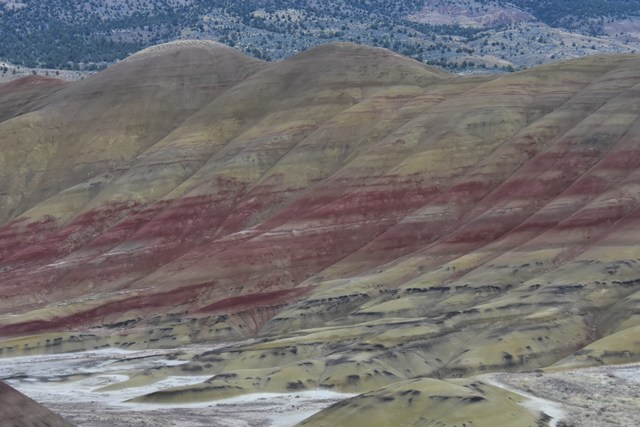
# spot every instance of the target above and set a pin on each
(353, 219)
(17, 410)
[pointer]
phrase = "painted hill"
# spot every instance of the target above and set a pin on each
(361, 218)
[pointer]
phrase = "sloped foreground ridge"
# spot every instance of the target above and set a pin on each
(351, 218)
(17, 410)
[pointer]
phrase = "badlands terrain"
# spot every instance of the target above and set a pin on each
(345, 221)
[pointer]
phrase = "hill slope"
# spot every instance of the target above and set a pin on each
(17, 410)
(362, 218)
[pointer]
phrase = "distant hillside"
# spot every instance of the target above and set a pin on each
(586, 16)
(458, 35)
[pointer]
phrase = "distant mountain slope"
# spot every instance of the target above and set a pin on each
(361, 217)
(458, 35)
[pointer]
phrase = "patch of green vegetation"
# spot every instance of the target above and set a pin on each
(91, 35)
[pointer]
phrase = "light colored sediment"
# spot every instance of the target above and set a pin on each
(604, 396)
(77, 386)
(554, 410)
(86, 388)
